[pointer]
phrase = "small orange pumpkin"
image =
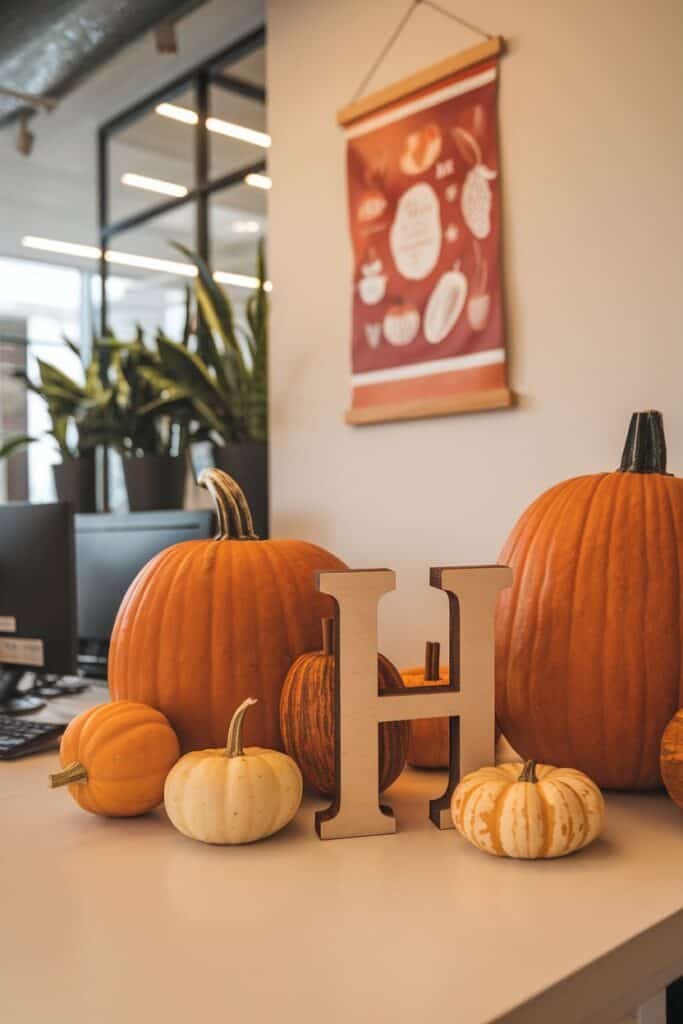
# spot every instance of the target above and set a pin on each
(671, 758)
(429, 744)
(307, 717)
(116, 757)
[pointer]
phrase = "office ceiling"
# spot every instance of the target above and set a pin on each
(48, 46)
(52, 193)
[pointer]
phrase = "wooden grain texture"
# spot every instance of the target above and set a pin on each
(424, 408)
(467, 700)
(420, 80)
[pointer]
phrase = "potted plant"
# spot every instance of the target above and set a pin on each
(155, 422)
(81, 418)
(226, 376)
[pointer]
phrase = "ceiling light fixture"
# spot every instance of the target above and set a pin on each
(258, 181)
(129, 259)
(245, 227)
(176, 113)
(165, 188)
(215, 124)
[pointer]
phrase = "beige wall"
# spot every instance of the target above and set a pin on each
(591, 112)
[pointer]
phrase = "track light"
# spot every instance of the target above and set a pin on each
(165, 37)
(25, 137)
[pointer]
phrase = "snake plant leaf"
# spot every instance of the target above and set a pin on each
(15, 444)
(73, 347)
(50, 376)
(184, 366)
(220, 306)
(187, 323)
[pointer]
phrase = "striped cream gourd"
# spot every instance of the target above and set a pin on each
(528, 810)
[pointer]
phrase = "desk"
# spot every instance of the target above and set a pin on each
(108, 921)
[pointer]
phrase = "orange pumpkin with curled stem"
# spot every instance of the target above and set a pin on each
(208, 623)
(116, 757)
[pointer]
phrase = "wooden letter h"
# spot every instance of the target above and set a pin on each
(467, 701)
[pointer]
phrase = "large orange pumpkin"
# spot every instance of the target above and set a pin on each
(589, 664)
(208, 623)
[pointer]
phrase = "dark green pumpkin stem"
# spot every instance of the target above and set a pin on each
(528, 773)
(645, 448)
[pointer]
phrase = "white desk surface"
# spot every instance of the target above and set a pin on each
(109, 921)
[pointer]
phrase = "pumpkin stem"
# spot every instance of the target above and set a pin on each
(74, 772)
(231, 506)
(328, 636)
(645, 447)
(528, 773)
(234, 748)
(432, 657)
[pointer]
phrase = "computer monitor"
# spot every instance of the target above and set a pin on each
(111, 549)
(37, 597)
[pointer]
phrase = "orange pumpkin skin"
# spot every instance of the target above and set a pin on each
(588, 638)
(307, 719)
(429, 744)
(207, 624)
(672, 758)
(127, 750)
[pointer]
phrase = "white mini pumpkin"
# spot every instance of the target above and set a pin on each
(231, 795)
(528, 810)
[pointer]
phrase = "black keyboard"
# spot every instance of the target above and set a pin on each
(21, 736)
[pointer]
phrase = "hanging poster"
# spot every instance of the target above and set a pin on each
(424, 209)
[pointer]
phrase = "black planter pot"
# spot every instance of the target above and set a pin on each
(155, 482)
(75, 482)
(247, 463)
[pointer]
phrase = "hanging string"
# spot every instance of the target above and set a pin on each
(399, 29)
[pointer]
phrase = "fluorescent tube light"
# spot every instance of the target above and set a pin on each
(215, 124)
(166, 188)
(177, 113)
(259, 181)
(86, 252)
(238, 131)
(129, 259)
(240, 280)
(245, 227)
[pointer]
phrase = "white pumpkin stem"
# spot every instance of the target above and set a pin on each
(234, 748)
(74, 772)
(528, 773)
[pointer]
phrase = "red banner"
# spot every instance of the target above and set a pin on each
(424, 209)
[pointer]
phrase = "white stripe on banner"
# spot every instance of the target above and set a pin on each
(488, 358)
(423, 102)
